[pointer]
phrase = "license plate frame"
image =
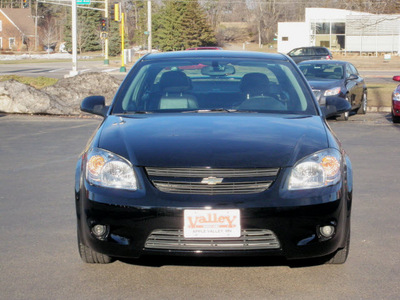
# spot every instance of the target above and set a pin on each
(212, 223)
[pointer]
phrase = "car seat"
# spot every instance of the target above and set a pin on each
(174, 87)
(255, 87)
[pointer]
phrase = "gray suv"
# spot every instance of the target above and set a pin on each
(309, 53)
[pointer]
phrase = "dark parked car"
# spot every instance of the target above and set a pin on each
(310, 53)
(336, 78)
(396, 102)
(233, 158)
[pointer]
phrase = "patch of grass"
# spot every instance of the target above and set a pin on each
(380, 94)
(36, 82)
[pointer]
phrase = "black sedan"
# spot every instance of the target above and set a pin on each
(213, 153)
(336, 78)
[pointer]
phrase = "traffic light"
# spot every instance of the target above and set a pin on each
(103, 24)
(115, 11)
(112, 11)
(25, 3)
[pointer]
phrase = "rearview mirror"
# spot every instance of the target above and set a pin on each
(95, 105)
(336, 105)
(218, 70)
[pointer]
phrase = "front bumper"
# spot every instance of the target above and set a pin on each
(294, 218)
(396, 108)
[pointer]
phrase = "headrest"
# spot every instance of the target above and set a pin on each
(338, 70)
(175, 81)
(254, 84)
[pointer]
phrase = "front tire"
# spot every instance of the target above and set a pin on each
(92, 257)
(344, 116)
(364, 103)
(341, 255)
(395, 119)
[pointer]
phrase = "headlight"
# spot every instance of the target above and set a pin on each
(107, 169)
(396, 96)
(317, 170)
(332, 92)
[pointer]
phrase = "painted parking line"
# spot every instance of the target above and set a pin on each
(110, 70)
(22, 70)
(56, 70)
(42, 71)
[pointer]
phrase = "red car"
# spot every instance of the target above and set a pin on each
(396, 102)
(205, 48)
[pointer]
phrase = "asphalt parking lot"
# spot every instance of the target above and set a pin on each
(39, 257)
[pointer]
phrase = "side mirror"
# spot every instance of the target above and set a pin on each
(95, 105)
(336, 105)
(352, 77)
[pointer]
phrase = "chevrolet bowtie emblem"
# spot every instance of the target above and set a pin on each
(212, 180)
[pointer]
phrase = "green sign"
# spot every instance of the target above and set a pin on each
(83, 2)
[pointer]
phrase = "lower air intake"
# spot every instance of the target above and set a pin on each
(250, 239)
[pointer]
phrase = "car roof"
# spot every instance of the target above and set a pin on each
(215, 54)
(311, 47)
(325, 62)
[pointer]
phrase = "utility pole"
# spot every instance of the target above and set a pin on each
(106, 60)
(149, 46)
(36, 25)
(74, 71)
(122, 69)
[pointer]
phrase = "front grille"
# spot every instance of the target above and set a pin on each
(250, 239)
(205, 172)
(222, 188)
(208, 181)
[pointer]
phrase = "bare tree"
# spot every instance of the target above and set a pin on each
(49, 32)
(266, 15)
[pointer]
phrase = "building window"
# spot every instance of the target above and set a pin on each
(322, 28)
(11, 43)
(1, 43)
(329, 34)
(285, 39)
(1, 25)
(338, 28)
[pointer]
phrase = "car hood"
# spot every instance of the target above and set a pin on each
(213, 140)
(324, 84)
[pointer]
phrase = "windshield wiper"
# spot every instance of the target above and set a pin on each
(211, 110)
(134, 112)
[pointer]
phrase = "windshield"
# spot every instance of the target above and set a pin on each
(314, 71)
(223, 84)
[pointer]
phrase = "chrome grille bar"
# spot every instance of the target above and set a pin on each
(250, 239)
(209, 181)
(223, 188)
(206, 172)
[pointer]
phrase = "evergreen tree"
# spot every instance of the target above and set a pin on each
(114, 38)
(181, 24)
(136, 19)
(88, 30)
(197, 31)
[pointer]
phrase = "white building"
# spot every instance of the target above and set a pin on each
(342, 30)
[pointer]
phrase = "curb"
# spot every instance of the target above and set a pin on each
(379, 109)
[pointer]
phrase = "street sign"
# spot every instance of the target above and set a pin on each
(83, 2)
